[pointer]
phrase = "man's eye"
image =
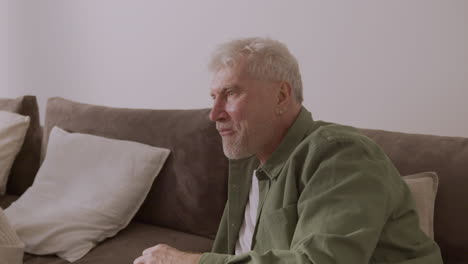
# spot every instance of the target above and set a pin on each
(229, 93)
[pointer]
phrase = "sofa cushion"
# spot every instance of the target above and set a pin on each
(11, 247)
(5, 201)
(87, 189)
(190, 192)
(13, 128)
(130, 243)
(447, 156)
(27, 161)
(423, 187)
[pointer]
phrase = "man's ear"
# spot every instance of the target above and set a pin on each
(284, 95)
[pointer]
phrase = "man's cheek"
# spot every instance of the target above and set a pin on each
(232, 109)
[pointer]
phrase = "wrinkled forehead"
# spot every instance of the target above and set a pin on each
(227, 76)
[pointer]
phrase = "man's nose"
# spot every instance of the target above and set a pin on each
(218, 112)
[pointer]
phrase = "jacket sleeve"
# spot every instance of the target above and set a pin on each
(341, 211)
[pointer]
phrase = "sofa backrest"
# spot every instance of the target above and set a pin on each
(190, 192)
(448, 156)
(27, 161)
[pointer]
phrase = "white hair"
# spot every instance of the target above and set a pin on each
(267, 59)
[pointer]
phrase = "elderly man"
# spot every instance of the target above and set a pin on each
(300, 191)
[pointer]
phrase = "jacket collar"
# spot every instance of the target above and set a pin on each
(296, 133)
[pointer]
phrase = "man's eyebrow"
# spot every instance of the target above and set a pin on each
(230, 87)
(225, 88)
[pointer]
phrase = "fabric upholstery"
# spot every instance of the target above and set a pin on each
(129, 244)
(27, 161)
(448, 157)
(190, 192)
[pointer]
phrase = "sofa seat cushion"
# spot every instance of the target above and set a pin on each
(127, 245)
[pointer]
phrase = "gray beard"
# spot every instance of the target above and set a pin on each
(236, 149)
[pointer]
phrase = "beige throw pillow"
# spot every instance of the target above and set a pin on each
(87, 189)
(13, 128)
(423, 187)
(11, 247)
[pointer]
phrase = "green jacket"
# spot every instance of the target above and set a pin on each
(328, 194)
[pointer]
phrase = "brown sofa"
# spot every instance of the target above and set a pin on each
(186, 200)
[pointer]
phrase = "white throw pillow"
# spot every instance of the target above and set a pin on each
(423, 187)
(13, 128)
(87, 190)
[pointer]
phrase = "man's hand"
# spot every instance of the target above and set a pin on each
(164, 254)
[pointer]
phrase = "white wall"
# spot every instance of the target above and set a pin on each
(396, 65)
(3, 47)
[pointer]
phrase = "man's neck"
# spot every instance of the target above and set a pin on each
(283, 127)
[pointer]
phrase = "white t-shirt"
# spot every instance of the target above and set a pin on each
(246, 231)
